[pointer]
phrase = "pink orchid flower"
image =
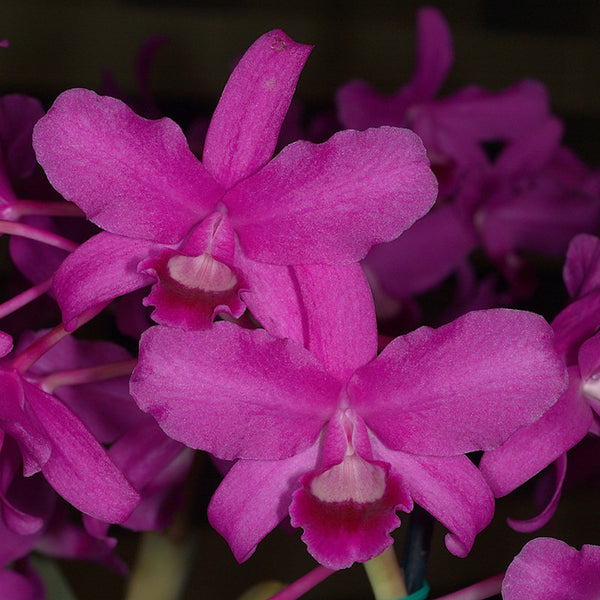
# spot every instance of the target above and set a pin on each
(577, 411)
(341, 439)
(204, 232)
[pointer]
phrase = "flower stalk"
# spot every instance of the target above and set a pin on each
(386, 576)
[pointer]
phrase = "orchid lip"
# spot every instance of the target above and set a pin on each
(354, 479)
(201, 272)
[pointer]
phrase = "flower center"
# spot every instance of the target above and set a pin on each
(591, 388)
(353, 479)
(201, 272)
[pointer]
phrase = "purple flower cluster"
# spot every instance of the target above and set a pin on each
(267, 274)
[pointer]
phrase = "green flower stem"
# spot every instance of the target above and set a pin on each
(386, 576)
(161, 568)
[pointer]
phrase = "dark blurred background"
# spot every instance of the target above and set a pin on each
(57, 44)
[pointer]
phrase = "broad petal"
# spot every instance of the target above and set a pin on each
(130, 176)
(78, 467)
(463, 387)
(231, 386)
(541, 219)
(486, 116)
(99, 271)
(304, 303)
(448, 487)
(254, 498)
(244, 128)
(532, 448)
(549, 569)
(272, 297)
(299, 208)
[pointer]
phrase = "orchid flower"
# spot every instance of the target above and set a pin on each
(576, 413)
(200, 232)
(340, 442)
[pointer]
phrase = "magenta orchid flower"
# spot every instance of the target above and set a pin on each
(549, 569)
(342, 441)
(199, 232)
(577, 411)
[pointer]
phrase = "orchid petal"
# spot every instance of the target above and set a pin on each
(448, 487)
(463, 387)
(254, 497)
(575, 324)
(582, 266)
(231, 379)
(541, 519)
(97, 272)
(534, 447)
(549, 569)
(243, 132)
(300, 303)
(434, 53)
(78, 467)
(130, 176)
(424, 255)
(531, 152)
(299, 208)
